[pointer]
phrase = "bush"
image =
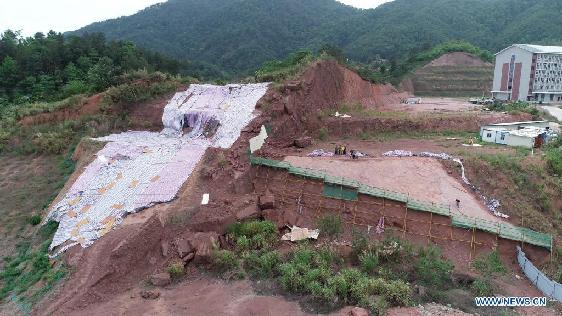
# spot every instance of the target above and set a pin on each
(224, 260)
(481, 287)
(253, 235)
(554, 160)
(431, 269)
(176, 270)
(263, 266)
(369, 261)
(54, 142)
(489, 264)
(359, 243)
(34, 220)
(331, 225)
(398, 293)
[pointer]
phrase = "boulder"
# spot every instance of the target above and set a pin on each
(184, 247)
(358, 311)
(251, 211)
(267, 201)
(161, 279)
(204, 244)
(303, 142)
(150, 295)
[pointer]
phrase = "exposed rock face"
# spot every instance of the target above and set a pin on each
(183, 247)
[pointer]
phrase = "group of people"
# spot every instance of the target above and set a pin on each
(341, 150)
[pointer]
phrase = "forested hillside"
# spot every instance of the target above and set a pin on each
(239, 35)
(51, 67)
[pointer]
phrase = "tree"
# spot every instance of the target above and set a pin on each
(102, 74)
(8, 74)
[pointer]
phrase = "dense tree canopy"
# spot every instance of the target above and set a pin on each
(51, 67)
(237, 36)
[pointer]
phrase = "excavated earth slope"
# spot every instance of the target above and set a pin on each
(452, 75)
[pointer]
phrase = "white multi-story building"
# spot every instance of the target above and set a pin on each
(528, 73)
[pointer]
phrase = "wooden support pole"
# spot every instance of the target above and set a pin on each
(430, 223)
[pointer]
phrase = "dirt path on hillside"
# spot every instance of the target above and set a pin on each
(421, 178)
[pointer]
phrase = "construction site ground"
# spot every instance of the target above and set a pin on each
(108, 277)
(437, 104)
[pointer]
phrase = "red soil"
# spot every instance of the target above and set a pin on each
(127, 256)
(90, 107)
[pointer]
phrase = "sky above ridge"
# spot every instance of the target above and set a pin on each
(31, 16)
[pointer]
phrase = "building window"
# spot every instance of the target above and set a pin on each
(489, 135)
(503, 136)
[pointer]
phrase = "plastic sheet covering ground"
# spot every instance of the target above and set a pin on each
(136, 170)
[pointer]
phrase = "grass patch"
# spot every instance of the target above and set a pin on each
(288, 68)
(330, 225)
(489, 264)
(432, 270)
(176, 270)
(482, 287)
(30, 267)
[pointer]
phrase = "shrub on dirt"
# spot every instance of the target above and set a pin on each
(489, 264)
(359, 243)
(398, 293)
(394, 250)
(253, 235)
(369, 261)
(554, 160)
(431, 269)
(176, 270)
(141, 90)
(264, 265)
(482, 287)
(330, 225)
(310, 272)
(34, 220)
(224, 260)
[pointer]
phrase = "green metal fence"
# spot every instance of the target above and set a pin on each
(347, 189)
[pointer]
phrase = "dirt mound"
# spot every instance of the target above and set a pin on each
(458, 59)
(116, 262)
(297, 106)
(452, 75)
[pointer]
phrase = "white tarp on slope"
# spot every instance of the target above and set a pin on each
(136, 170)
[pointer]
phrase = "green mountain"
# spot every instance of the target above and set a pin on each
(239, 35)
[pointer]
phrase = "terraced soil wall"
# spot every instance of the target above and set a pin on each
(300, 202)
